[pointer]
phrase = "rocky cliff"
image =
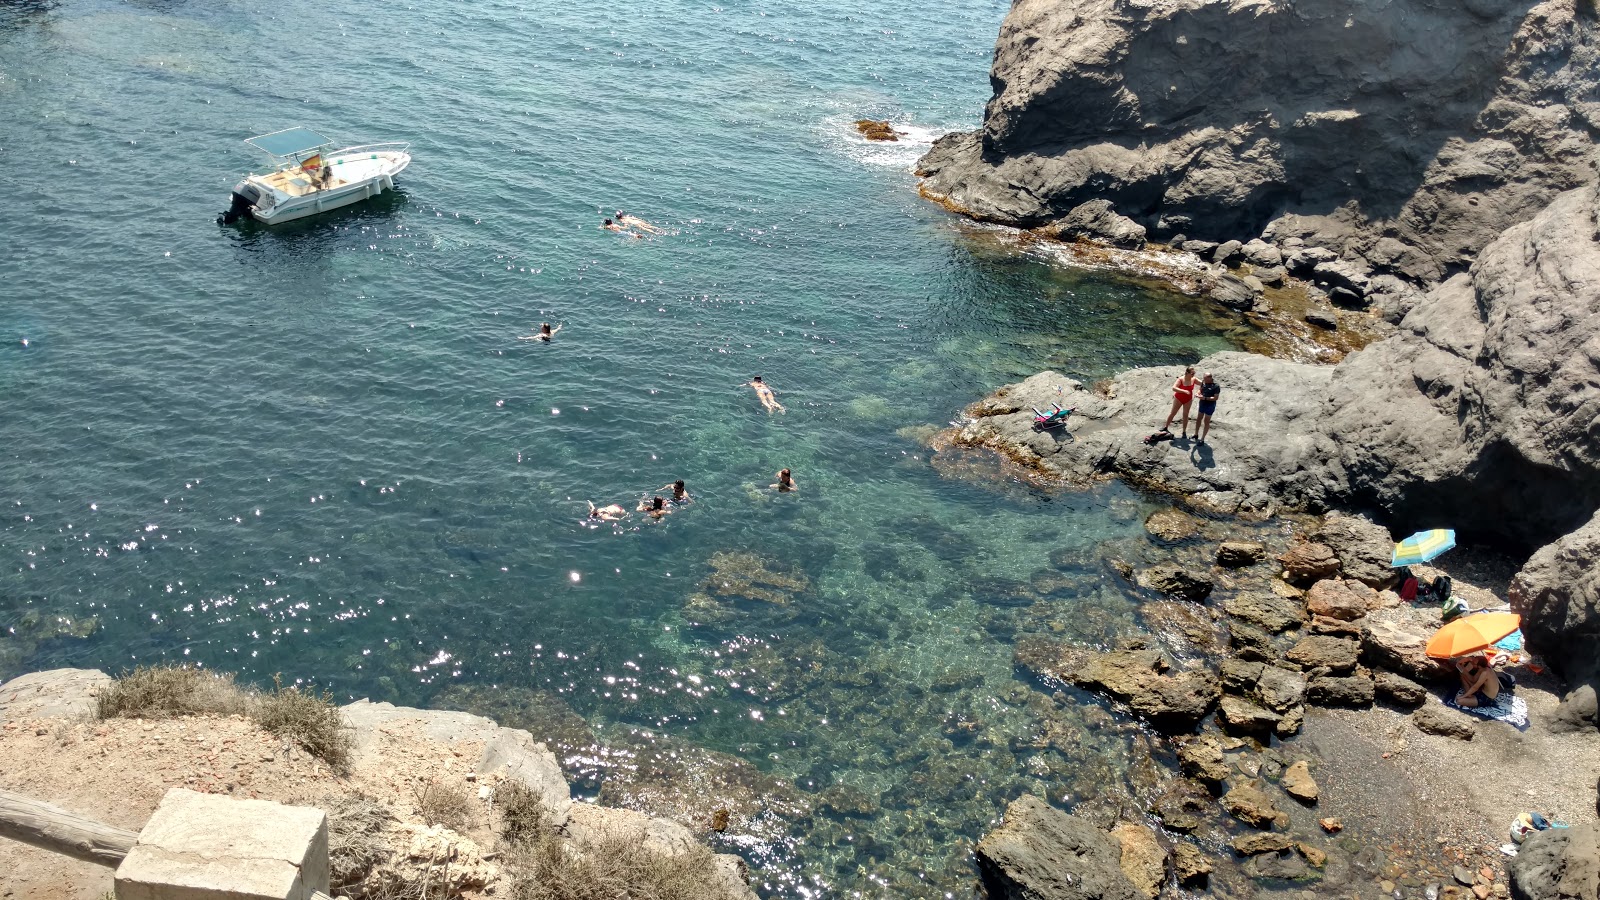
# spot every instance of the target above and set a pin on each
(1402, 135)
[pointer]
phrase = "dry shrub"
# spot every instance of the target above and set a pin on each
(614, 867)
(159, 692)
(356, 844)
(523, 816)
(444, 804)
(164, 692)
(309, 719)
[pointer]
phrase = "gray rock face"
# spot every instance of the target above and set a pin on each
(1098, 221)
(1557, 864)
(54, 693)
(1364, 548)
(1192, 112)
(1042, 853)
(1558, 596)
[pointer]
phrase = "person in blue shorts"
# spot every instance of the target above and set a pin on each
(1209, 391)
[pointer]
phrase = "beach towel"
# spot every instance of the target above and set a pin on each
(1507, 708)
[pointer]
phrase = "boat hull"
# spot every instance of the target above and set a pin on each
(287, 196)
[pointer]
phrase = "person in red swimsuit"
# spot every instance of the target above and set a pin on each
(1182, 396)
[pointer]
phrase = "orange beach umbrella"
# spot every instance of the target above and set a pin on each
(1470, 634)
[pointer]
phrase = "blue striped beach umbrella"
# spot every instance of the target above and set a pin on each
(1423, 546)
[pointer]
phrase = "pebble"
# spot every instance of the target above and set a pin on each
(1461, 875)
(1488, 874)
(1481, 891)
(1386, 886)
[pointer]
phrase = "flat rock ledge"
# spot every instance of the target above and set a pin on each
(1254, 460)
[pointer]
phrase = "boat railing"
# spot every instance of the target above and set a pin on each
(399, 146)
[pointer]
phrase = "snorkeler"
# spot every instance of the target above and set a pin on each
(544, 333)
(613, 226)
(764, 394)
(610, 513)
(656, 507)
(785, 482)
(679, 494)
(636, 222)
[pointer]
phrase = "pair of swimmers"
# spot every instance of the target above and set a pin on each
(654, 507)
(622, 222)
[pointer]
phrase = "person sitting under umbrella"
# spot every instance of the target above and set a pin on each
(1480, 685)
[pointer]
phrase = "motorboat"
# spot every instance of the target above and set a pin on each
(309, 176)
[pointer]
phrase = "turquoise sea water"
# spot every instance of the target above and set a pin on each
(320, 450)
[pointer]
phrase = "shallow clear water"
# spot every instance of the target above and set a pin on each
(320, 450)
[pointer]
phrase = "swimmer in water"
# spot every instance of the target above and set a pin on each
(609, 513)
(764, 394)
(679, 494)
(613, 226)
(655, 507)
(544, 333)
(636, 222)
(785, 482)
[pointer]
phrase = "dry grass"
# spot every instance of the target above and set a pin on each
(523, 816)
(309, 719)
(615, 867)
(439, 803)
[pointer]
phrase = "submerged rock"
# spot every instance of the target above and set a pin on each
(876, 130)
(1042, 853)
(1144, 860)
(1249, 803)
(1171, 525)
(1137, 677)
(1190, 865)
(1238, 554)
(1177, 583)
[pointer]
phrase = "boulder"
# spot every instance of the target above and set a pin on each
(1398, 689)
(1289, 725)
(1183, 806)
(1240, 675)
(1176, 583)
(1190, 865)
(1394, 638)
(1240, 716)
(1144, 860)
(1199, 248)
(1232, 291)
(1557, 864)
(1305, 562)
(1238, 554)
(1228, 253)
(1251, 642)
(1097, 220)
(1557, 593)
(1269, 611)
(51, 694)
(1578, 711)
(1251, 843)
(1347, 599)
(1260, 253)
(1280, 689)
(1304, 260)
(1331, 690)
(1202, 758)
(1042, 853)
(1137, 677)
(1343, 274)
(1322, 320)
(1171, 525)
(1316, 651)
(1272, 276)
(1298, 783)
(1436, 718)
(1364, 548)
(1249, 803)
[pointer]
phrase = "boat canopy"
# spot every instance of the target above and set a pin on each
(289, 142)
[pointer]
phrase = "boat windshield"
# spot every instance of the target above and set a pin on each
(289, 142)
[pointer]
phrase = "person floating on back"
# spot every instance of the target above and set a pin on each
(544, 333)
(765, 395)
(785, 482)
(609, 225)
(610, 513)
(636, 222)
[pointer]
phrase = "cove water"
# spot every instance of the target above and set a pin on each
(320, 450)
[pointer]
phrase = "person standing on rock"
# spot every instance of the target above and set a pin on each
(1209, 390)
(1182, 396)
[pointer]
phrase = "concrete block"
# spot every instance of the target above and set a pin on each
(208, 847)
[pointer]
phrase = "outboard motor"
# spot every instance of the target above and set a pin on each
(244, 197)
